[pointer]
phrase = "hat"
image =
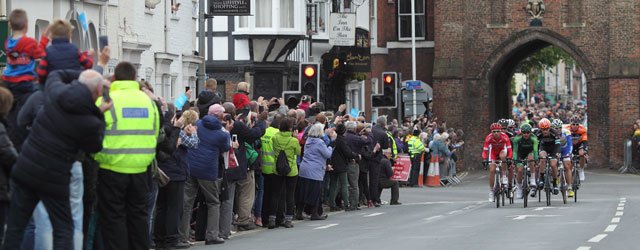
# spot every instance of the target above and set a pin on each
(340, 129)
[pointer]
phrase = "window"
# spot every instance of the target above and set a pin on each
(404, 19)
(286, 13)
(263, 13)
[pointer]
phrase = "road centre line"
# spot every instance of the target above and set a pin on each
(373, 214)
(583, 248)
(433, 217)
(598, 238)
(619, 213)
(454, 211)
(610, 228)
(620, 208)
(621, 205)
(327, 226)
(615, 220)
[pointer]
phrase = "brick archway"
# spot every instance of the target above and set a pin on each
(478, 46)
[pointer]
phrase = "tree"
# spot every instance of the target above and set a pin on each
(544, 59)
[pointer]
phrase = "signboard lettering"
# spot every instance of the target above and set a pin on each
(342, 31)
(230, 7)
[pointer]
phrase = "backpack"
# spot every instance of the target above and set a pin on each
(282, 164)
(252, 154)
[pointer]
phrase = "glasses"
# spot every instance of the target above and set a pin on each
(496, 131)
(575, 124)
(526, 133)
(545, 129)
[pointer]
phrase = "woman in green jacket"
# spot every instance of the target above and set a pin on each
(284, 141)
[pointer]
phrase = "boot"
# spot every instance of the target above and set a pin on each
(315, 216)
(299, 214)
(272, 222)
(288, 221)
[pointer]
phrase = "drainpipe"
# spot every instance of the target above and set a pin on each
(167, 12)
(102, 28)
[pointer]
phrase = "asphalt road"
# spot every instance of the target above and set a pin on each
(460, 217)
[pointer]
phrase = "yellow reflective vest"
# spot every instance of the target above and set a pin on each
(268, 156)
(131, 135)
(393, 144)
(415, 146)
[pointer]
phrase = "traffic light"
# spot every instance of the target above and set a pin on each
(310, 79)
(389, 86)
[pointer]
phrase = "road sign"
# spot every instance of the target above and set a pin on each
(421, 95)
(408, 108)
(412, 84)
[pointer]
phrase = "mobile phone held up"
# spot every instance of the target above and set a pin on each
(234, 138)
(104, 41)
(105, 94)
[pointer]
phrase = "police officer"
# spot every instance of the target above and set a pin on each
(416, 148)
(129, 146)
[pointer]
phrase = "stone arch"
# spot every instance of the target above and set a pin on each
(502, 62)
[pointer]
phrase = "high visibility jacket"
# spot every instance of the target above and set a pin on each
(415, 146)
(393, 144)
(131, 134)
(268, 156)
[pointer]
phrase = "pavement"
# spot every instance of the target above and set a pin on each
(461, 217)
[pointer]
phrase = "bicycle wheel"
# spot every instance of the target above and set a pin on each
(496, 197)
(563, 187)
(497, 189)
(503, 193)
(525, 193)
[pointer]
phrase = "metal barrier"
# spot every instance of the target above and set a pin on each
(628, 159)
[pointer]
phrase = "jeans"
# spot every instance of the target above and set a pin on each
(226, 211)
(169, 208)
(341, 180)
(43, 229)
(257, 203)
(353, 172)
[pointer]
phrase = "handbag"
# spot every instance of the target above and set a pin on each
(159, 175)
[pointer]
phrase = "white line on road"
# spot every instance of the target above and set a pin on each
(619, 213)
(433, 217)
(621, 205)
(583, 248)
(623, 198)
(611, 228)
(615, 220)
(373, 214)
(620, 208)
(598, 238)
(454, 211)
(327, 226)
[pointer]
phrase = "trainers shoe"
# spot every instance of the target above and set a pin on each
(533, 193)
(581, 173)
(555, 191)
(571, 193)
(214, 241)
(491, 194)
(505, 181)
(518, 192)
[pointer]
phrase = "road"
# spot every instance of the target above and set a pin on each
(605, 217)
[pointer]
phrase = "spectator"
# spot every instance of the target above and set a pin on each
(379, 137)
(22, 52)
(312, 169)
(123, 183)
(305, 103)
(439, 154)
(386, 180)
(69, 118)
(285, 185)
(62, 54)
(268, 169)
(416, 149)
(212, 86)
(8, 156)
(340, 159)
(357, 144)
(241, 99)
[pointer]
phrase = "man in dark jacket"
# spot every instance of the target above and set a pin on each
(69, 124)
(8, 156)
(243, 176)
(357, 144)
(380, 137)
(340, 159)
(385, 178)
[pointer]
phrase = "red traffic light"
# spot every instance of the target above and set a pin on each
(388, 79)
(309, 71)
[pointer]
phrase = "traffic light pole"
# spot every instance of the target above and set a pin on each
(413, 55)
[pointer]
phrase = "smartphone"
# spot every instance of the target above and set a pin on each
(105, 94)
(234, 138)
(186, 89)
(104, 41)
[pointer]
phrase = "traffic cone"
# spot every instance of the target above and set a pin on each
(421, 173)
(433, 175)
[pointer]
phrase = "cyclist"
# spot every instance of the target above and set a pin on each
(511, 127)
(566, 148)
(496, 146)
(549, 145)
(525, 146)
(580, 143)
(505, 127)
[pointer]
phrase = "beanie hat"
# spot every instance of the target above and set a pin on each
(340, 129)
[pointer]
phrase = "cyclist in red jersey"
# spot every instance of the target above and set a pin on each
(497, 146)
(580, 143)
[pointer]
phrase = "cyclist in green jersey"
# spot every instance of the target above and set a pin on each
(525, 147)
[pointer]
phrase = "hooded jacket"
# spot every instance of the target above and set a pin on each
(8, 157)
(203, 160)
(285, 141)
(315, 158)
(249, 135)
(69, 124)
(341, 155)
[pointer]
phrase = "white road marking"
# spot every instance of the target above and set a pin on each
(598, 238)
(327, 226)
(620, 208)
(621, 205)
(373, 214)
(454, 211)
(433, 217)
(611, 228)
(623, 198)
(522, 217)
(619, 213)
(615, 220)
(583, 248)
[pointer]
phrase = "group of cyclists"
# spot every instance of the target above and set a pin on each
(551, 140)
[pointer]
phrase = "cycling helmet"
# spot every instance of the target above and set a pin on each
(503, 122)
(525, 128)
(544, 123)
(496, 126)
(511, 123)
(576, 120)
(557, 123)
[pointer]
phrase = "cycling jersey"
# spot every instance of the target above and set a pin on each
(503, 143)
(579, 135)
(523, 147)
(566, 147)
(549, 143)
